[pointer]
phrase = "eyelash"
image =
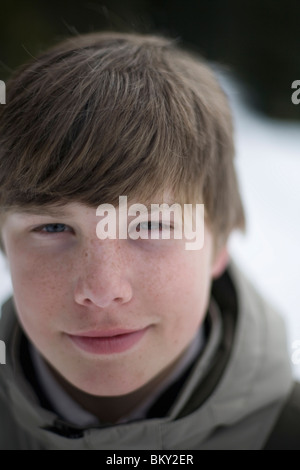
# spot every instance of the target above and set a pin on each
(160, 224)
(41, 228)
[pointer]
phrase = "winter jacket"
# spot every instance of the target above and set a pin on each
(231, 398)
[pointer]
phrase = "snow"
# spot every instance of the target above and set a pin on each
(268, 166)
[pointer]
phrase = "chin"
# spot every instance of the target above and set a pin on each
(108, 388)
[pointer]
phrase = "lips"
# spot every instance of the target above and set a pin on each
(105, 333)
(107, 341)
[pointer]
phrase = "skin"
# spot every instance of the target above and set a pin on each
(70, 281)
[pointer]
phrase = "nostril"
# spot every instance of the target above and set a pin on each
(102, 292)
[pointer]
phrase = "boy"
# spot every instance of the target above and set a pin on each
(127, 342)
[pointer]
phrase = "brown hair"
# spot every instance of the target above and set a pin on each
(108, 114)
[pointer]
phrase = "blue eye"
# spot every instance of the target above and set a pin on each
(53, 228)
(150, 226)
(54, 231)
(153, 226)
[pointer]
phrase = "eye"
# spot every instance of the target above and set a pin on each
(53, 228)
(153, 226)
(149, 226)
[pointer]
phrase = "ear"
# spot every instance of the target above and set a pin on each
(220, 262)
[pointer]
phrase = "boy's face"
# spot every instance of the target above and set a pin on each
(108, 315)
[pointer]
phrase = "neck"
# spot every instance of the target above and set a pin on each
(113, 409)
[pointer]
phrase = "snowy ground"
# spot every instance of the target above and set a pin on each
(268, 165)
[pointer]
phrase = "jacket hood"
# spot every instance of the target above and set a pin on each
(229, 401)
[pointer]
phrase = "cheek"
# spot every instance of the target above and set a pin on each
(40, 285)
(37, 274)
(180, 294)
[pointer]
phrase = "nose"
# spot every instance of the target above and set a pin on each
(103, 276)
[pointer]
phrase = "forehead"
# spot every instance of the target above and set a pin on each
(43, 210)
(73, 209)
(68, 208)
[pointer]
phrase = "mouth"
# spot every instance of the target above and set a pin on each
(107, 341)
